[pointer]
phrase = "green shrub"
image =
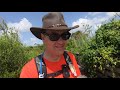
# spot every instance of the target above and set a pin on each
(103, 52)
(11, 54)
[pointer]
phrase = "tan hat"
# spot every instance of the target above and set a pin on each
(51, 21)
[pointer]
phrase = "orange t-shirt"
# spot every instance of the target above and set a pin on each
(30, 69)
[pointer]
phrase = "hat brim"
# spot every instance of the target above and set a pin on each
(36, 31)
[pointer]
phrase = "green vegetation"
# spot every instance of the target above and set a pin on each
(13, 54)
(99, 54)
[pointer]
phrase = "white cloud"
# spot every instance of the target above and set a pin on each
(110, 14)
(22, 26)
(81, 22)
(107, 14)
(95, 22)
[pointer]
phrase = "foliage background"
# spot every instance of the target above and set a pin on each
(98, 55)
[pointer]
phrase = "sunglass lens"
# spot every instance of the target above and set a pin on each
(66, 36)
(54, 37)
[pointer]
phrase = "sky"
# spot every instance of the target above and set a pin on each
(22, 21)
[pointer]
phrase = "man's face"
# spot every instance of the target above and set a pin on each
(55, 41)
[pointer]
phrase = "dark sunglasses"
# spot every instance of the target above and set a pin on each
(55, 36)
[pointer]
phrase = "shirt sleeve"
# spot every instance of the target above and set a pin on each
(29, 70)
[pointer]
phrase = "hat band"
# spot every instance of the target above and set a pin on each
(56, 25)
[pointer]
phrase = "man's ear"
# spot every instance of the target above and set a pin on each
(42, 36)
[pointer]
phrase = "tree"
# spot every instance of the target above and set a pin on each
(102, 57)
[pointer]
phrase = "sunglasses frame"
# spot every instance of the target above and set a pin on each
(58, 36)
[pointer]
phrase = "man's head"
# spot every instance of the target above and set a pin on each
(54, 32)
(52, 21)
(54, 42)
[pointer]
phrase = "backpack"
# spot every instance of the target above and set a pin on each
(42, 71)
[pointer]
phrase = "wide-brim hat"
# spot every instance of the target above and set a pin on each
(52, 21)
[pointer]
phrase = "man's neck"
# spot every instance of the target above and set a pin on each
(51, 57)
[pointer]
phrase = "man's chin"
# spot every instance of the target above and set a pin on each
(60, 52)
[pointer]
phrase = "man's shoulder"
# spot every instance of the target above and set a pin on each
(29, 69)
(29, 63)
(69, 53)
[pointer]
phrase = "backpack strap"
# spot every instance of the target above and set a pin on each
(70, 64)
(41, 67)
(42, 71)
(52, 75)
(67, 58)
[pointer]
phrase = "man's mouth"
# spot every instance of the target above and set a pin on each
(60, 47)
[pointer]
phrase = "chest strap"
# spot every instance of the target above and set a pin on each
(42, 70)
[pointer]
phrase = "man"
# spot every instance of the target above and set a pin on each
(55, 62)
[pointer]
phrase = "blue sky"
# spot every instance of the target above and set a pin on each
(22, 21)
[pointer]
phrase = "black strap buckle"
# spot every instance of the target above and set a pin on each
(65, 70)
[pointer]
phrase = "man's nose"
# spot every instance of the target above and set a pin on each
(60, 40)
